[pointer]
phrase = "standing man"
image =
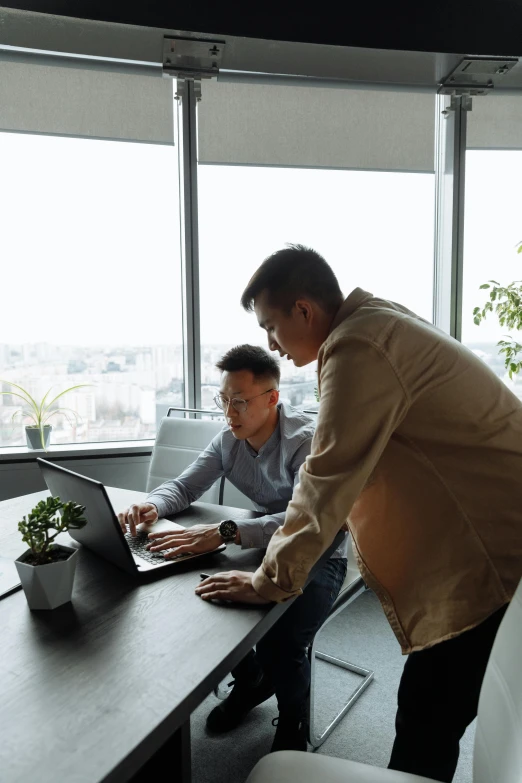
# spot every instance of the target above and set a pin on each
(260, 451)
(418, 449)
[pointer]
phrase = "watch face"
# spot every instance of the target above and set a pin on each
(228, 529)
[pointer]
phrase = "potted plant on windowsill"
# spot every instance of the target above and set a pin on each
(38, 434)
(46, 569)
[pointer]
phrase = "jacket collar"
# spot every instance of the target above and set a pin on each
(353, 301)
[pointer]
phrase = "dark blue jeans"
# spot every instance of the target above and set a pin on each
(281, 655)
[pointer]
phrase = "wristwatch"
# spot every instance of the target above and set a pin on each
(227, 529)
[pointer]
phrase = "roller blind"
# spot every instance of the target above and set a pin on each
(321, 127)
(495, 122)
(74, 101)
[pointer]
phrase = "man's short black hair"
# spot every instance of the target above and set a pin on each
(295, 272)
(253, 358)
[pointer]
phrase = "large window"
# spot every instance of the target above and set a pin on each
(90, 283)
(374, 227)
(91, 243)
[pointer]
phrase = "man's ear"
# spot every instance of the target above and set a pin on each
(273, 398)
(304, 309)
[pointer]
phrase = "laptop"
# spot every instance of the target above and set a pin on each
(102, 534)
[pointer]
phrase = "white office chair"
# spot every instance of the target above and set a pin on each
(178, 443)
(497, 756)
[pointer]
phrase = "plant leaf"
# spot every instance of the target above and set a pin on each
(27, 398)
(43, 401)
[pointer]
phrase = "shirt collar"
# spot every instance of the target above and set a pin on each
(353, 301)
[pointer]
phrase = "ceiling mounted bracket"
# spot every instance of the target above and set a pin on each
(476, 75)
(192, 58)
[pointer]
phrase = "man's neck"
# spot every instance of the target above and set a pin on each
(265, 433)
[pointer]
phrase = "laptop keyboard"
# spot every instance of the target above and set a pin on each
(138, 546)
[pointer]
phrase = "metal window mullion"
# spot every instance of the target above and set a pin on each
(451, 132)
(188, 174)
(459, 155)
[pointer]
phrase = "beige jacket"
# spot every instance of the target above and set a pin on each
(421, 445)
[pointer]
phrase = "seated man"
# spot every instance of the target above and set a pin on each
(260, 451)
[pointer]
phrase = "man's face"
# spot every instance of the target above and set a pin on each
(242, 385)
(295, 334)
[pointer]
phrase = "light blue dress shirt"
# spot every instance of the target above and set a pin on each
(267, 477)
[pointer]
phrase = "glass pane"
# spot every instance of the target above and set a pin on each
(375, 228)
(91, 286)
(492, 230)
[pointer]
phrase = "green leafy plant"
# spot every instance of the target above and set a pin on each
(36, 526)
(40, 412)
(506, 303)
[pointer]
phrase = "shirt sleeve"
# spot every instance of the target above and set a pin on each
(256, 533)
(177, 494)
(362, 403)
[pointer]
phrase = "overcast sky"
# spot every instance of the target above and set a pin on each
(89, 247)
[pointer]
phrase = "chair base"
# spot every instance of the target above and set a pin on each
(315, 738)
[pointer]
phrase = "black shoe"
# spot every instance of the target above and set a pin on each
(291, 734)
(242, 699)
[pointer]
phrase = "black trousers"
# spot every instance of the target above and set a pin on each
(438, 699)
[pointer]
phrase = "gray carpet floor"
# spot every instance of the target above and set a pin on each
(361, 635)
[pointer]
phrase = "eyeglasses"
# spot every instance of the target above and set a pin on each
(239, 405)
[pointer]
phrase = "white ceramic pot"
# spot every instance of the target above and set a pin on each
(48, 586)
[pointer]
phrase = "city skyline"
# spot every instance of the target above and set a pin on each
(129, 391)
(133, 388)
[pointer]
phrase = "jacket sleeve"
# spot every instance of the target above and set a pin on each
(362, 403)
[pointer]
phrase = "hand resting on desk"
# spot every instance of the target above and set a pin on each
(233, 586)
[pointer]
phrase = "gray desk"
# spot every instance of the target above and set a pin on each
(90, 691)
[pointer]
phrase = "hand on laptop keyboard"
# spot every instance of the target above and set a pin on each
(197, 539)
(135, 514)
(138, 546)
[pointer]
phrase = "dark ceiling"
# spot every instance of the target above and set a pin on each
(489, 27)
